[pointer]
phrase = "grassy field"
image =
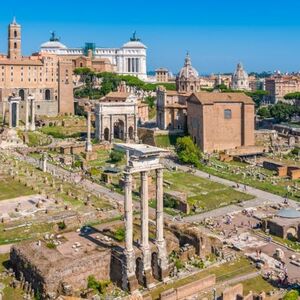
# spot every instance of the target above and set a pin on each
(10, 188)
(9, 293)
(257, 284)
(63, 132)
(280, 188)
(204, 193)
(165, 141)
(223, 272)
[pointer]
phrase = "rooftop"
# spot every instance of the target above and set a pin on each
(289, 213)
(140, 149)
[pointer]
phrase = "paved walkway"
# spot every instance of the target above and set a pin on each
(261, 197)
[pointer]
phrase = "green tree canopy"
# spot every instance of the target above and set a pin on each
(264, 112)
(291, 295)
(187, 151)
(257, 96)
(292, 96)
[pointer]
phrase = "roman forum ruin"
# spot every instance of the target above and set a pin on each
(143, 159)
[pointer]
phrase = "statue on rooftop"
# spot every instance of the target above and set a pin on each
(53, 37)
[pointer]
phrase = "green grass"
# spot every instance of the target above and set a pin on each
(63, 132)
(9, 293)
(10, 188)
(23, 233)
(165, 141)
(257, 285)
(203, 193)
(280, 188)
(223, 272)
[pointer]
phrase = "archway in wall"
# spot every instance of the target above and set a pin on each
(131, 133)
(291, 233)
(139, 271)
(119, 130)
(22, 94)
(47, 94)
(106, 134)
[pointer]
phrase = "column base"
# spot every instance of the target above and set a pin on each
(32, 128)
(133, 284)
(164, 273)
(148, 278)
(88, 147)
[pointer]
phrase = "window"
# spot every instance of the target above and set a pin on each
(15, 33)
(227, 114)
(15, 45)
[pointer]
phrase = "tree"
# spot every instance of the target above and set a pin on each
(257, 96)
(283, 112)
(187, 151)
(292, 96)
(150, 101)
(291, 295)
(264, 112)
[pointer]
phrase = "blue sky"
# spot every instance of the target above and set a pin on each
(263, 34)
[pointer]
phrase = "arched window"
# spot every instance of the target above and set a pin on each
(22, 94)
(15, 45)
(47, 94)
(227, 114)
(15, 33)
(81, 65)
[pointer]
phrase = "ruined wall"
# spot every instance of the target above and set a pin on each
(47, 269)
(232, 292)
(189, 289)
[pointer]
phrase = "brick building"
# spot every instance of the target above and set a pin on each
(280, 85)
(47, 77)
(220, 121)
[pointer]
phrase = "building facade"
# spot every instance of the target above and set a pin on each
(220, 121)
(240, 80)
(116, 117)
(130, 59)
(45, 77)
(162, 75)
(280, 85)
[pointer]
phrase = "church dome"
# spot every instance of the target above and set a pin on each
(240, 73)
(187, 71)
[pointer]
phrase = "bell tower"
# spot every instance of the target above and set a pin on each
(14, 40)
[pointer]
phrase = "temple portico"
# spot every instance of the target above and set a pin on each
(142, 159)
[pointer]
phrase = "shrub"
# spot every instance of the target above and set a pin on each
(187, 151)
(61, 225)
(291, 295)
(120, 234)
(51, 245)
(116, 155)
(96, 285)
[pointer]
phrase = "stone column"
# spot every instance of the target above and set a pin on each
(129, 281)
(44, 162)
(10, 114)
(145, 227)
(88, 145)
(111, 129)
(26, 114)
(160, 240)
(126, 133)
(17, 114)
(32, 125)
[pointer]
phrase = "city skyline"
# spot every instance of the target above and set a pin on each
(261, 37)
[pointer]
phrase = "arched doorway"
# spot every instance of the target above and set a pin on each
(106, 134)
(139, 271)
(155, 266)
(22, 94)
(47, 94)
(130, 132)
(291, 233)
(119, 130)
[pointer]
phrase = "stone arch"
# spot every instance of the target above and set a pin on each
(291, 233)
(139, 271)
(131, 132)
(119, 130)
(155, 266)
(47, 94)
(15, 33)
(22, 94)
(106, 134)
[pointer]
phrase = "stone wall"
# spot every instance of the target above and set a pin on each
(232, 292)
(189, 289)
(48, 270)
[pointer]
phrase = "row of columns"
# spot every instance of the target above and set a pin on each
(14, 103)
(145, 247)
